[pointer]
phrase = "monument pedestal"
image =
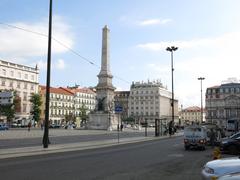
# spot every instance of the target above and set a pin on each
(100, 120)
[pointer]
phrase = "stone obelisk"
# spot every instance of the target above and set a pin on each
(103, 117)
(105, 89)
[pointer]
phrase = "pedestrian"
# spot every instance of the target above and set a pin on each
(212, 138)
(170, 128)
(29, 126)
(121, 127)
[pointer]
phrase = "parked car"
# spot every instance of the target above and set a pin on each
(230, 146)
(217, 168)
(234, 136)
(3, 127)
(231, 176)
(54, 126)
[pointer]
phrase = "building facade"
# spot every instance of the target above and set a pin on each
(21, 79)
(151, 100)
(61, 104)
(121, 99)
(223, 103)
(192, 115)
(83, 98)
(67, 102)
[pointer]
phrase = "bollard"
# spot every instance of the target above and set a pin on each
(216, 153)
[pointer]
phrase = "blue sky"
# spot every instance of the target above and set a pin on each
(207, 33)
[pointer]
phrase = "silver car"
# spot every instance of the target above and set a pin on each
(232, 176)
(216, 168)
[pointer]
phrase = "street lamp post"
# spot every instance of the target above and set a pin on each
(201, 79)
(172, 49)
(46, 136)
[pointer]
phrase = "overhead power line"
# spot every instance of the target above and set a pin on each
(61, 43)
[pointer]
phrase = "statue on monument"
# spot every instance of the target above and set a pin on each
(100, 104)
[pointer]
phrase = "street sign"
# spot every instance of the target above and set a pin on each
(118, 109)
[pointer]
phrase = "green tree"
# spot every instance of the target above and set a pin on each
(36, 104)
(83, 113)
(69, 118)
(8, 111)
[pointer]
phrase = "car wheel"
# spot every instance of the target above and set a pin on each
(186, 148)
(232, 150)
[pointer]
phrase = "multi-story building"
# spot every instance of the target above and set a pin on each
(121, 98)
(83, 97)
(61, 104)
(150, 101)
(223, 103)
(192, 115)
(21, 79)
(67, 101)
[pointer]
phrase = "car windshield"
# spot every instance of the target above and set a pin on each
(234, 136)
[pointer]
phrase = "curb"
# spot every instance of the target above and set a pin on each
(38, 150)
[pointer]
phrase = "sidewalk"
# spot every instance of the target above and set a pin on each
(39, 150)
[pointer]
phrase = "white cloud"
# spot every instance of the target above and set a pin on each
(17, 43)
(216, 59)
(60, 64)
(149, 22)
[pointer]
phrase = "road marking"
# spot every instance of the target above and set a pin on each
(176, 155)
(175, 145)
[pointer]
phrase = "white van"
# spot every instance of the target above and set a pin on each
(195, 136)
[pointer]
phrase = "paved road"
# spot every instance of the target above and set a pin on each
(22, 138)
(163, 159)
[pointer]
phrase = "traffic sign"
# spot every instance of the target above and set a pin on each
(118, 109)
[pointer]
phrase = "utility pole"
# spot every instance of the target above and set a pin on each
(201, 79)
(172, 49)
(46, 133)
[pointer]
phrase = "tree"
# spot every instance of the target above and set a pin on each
(8, 111)
(83, 113)
(69, 118)
(36, 103)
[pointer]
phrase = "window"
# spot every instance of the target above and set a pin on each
(18, 85)
(32, 77)
(25, 96)
(19, 75)
(11, 84)
(3, 82)
(26, 76)
(12, 73)
(4, 71)
(25, 85)
(24, 108)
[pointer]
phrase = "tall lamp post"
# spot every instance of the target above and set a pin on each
(201, 79)
(46, 136)
(172, 49)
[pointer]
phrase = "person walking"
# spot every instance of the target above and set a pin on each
(29, 126)
(212, 138)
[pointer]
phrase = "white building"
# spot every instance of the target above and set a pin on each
(223, 103)
(23, 80)
(67, 102)
(148, 101)
(83, 97)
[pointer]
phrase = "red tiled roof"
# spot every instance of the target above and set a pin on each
(192, 109)
(57, 90)
(81, 90)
